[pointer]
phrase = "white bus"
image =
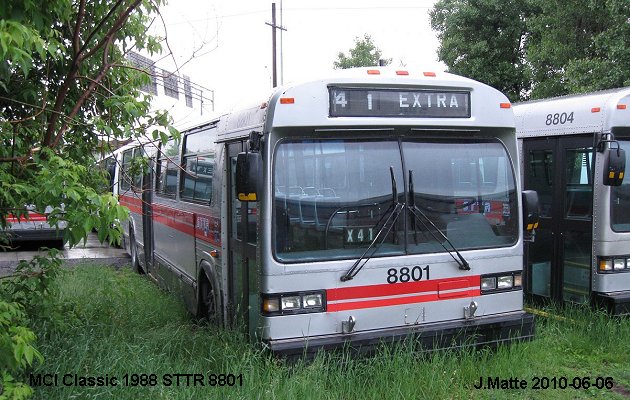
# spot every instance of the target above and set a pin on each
(574, 151)
(354, 210)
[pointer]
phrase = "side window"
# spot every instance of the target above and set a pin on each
(125, 179)
(197, 182)
(198, 161)
(168, 166)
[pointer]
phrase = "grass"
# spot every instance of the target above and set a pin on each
(119, 323)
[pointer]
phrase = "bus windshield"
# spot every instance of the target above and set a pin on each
(620, 207)
(332, 197)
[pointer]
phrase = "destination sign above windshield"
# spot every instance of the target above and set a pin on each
(412, 103)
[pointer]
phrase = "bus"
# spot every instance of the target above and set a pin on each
(28, 225)
(574, 155)
(367, 207)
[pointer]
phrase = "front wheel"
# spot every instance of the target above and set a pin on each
(133, 249)
(210, 300)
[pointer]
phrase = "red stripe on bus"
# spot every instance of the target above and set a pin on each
(396, 301)
(31, 217)
(387, 289)
(182, 221)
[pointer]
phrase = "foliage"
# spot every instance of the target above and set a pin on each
(27, 294)
(16, 351)
(536, 48)
(64, 84)
(483, 40)
(579, 47)
(363, 54)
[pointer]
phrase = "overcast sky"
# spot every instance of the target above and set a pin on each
(232, 43)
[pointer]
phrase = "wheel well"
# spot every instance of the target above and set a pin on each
(205, 270)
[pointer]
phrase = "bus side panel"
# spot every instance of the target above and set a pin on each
(175, 248)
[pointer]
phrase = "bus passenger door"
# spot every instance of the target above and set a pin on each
(558, 263)
(242, 277)
(147, 217)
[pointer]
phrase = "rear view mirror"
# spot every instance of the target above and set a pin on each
(248, 176)
(614, 166)
(531, 212)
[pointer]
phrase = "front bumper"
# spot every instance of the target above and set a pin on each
(482, 331)
(615, 303)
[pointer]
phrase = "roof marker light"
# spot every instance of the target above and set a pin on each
(505, 105)
(287, 100)
(622, 106)
(402, 72)
(373, 72)
(595, 109)
(429, 74)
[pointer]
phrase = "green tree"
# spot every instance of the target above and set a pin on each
(65, 82)
(579, 47)
(363, 54)
(484, 40)
(536, 48)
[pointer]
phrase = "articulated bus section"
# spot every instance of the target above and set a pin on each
(574, 152)
(368, 207)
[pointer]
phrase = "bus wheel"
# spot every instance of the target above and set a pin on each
(211, 301)
(133, 249)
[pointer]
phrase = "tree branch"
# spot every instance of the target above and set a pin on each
(87, 93)
(72, 75)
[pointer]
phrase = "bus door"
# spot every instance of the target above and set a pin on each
(243, 307)
(558, 262)
(147, 217)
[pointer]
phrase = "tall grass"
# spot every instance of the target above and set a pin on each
(120, 323)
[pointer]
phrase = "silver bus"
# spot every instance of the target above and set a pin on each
(574, 151)
(362, 208)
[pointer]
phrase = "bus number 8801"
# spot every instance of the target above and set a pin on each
(406, 274)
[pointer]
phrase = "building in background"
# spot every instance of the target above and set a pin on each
(188, 103)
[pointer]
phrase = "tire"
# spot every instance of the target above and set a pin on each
(133, 250)
(210, 300)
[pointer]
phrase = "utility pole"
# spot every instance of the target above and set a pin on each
(274, 27)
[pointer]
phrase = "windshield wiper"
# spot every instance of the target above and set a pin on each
(392, 213)
(415, 211)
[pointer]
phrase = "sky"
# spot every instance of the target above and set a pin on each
(225, 45)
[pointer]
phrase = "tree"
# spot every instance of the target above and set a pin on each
(534, 48)
(579, 47)
(65, 82)
(484, 40)
(363, 54)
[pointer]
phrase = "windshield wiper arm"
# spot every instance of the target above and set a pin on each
(415, 211)
(392, 213)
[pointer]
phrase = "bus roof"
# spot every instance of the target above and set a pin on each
(308, 103)
(594, 112)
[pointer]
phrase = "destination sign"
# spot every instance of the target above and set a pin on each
(414, 103)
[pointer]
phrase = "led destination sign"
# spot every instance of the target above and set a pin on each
(415, 103)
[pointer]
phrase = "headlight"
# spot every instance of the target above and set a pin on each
(501, 282)
(613, 264)
(619, 263)
(505, 282)
(312, 300)
(290, 303)
(293, 303)
(489, 283)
